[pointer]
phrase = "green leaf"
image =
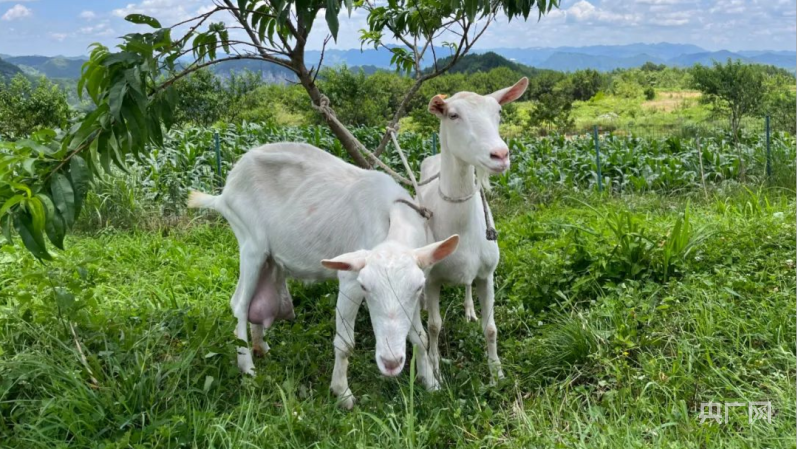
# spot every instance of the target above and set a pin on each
(39, 216)
(116, 150)
(93, 84)
(5, 224)
(20, 186)
(136, 129)
(119, 58)
(134, 80)
(35, 146)
(105, 157)
(141, 19)
(32, 240)
(28, 166)
(80, 176)
(64, 197)
(116, 98)
(11, 202)
(332, 18)
(64, 299)
(225, 41)
(54, 227)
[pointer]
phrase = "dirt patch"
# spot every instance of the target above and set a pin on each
(669, 101)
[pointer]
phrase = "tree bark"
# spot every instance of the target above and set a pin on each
(348, 140)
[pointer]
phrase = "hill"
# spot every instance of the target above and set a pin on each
(569, 62)
(537, 56)
(483, 62)
(8, 70)
(51, 67)
(566, 59)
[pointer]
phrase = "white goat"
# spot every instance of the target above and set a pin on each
(290, 206)
(469, 140)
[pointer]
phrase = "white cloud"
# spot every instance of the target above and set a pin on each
(17, 12)
(672, 19)
(661, 2)
(87, 15)
(59, 36)
(584, 11)
(101, 29)
(729, 7)
(166, 11)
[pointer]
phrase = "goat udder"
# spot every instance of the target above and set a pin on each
(264, 307)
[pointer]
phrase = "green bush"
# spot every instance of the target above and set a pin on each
(26, 107)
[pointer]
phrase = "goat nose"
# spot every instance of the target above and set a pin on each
(392, 364)
(500, 154)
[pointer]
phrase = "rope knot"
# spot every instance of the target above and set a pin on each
(323, 106)
(423, 211)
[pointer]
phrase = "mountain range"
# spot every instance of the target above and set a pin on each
(599, 57)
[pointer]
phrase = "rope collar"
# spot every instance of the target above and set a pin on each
(423, 211)
(461, 199)
(490, 231)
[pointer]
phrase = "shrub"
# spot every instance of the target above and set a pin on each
(25, 107)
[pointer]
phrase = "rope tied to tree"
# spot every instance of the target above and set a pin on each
(324, 108)
(490, 232)
(423, 211)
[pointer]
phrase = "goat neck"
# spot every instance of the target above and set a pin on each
(457, 178)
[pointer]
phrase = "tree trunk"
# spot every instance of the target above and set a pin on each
(348, 140)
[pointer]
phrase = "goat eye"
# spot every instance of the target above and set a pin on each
(363, 287)
(453, 116)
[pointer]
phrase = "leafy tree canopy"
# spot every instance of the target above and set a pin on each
(44, 179)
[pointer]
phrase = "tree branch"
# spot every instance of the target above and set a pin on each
(462, 49)
(321, 58)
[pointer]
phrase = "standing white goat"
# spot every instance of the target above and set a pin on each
(470, 142)
(290, 206)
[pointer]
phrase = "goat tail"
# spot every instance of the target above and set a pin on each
(200, 200)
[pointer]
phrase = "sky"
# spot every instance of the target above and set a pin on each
(68, 27)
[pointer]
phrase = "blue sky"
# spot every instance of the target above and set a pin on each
(67, 27)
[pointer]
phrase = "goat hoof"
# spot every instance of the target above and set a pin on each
(347, 400)
(245, 364)
(432, 385)
(471, 315)
(496, 377)
(259, 352)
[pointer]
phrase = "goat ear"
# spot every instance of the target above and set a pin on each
(437, 105)
(354, 261)
(512, 93)
(429, 255)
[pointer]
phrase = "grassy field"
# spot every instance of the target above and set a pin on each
(618, 316)
(668, 109)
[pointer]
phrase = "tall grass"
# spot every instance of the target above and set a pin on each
(598, 353)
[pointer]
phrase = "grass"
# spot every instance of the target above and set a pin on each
(611, 333)
(669, 101)
(669, 109)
